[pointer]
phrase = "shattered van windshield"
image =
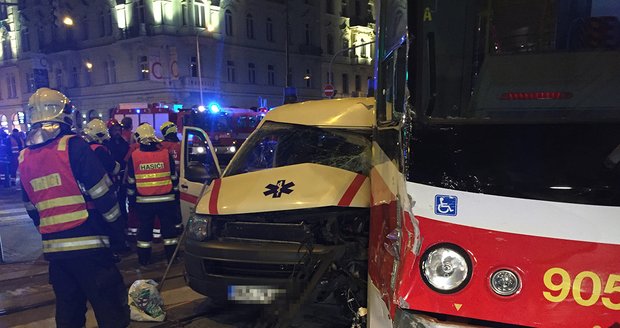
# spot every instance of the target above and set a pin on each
(281, 144)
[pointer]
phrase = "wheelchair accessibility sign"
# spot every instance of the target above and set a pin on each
(446, 205)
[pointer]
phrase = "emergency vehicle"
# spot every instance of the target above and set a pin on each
(228, 127)
(155, 114)
(495, 187)
(289, 213)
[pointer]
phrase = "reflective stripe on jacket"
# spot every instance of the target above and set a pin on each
(51, 186)
(152, 172)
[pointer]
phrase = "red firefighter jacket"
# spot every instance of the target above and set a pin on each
(152, 175)
(66, 193)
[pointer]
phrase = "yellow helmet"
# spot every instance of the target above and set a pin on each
(96, 130)
(145, 134)
(168, 128)
(47, 105)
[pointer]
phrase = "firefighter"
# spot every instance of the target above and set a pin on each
(67, 194)
(152, 185)
(118, 147)
(96, 133)
(127, 126)
(173, 145)
(16, 146)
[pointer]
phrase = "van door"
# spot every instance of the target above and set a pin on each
(199, 166)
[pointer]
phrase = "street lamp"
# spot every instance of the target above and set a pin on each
(331, 61)
(68, 21)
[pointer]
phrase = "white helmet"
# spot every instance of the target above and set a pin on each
(97, 131)
(145, 134)
(47, 105)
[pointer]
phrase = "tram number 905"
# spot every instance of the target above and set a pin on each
(558, 280)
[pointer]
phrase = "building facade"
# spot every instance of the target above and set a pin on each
(101, 53)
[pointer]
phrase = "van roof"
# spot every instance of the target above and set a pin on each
(344, 112)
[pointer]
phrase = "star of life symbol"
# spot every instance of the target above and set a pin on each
(277, 189)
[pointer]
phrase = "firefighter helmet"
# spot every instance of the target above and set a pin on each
(97, 131)
(47, 105)
(112, 123)
(168, 128)
(145, 134)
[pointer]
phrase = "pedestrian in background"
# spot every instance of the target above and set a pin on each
(16, 146)
(152, 184)
(67, 194)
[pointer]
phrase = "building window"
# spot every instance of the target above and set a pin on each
(106, 68)
(345, 45)
(108, 21)
(143, 64)
(249, 25)
(11, 86)
(41, 36)
(330, 44)
(7, 52)
(345, 83)
(75, 78)
(139, 11)
(364, 54)
(102, 19)
(228, 23)
(269, 29)
(3, 12)
(199, 15)
(329, 6)
(88, 78)
(193, 67)
(84, 25)
(25, 40)
(184, 14)
(308, 78)
(251, 73)
(358, 83)
(112, 71)
(271, 75)
(59, 78)
(231, 71)
(308, 36)
(29, 83)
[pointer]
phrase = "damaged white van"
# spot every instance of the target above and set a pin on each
(289, 216)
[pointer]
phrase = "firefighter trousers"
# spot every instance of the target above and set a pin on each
(93, 277)
(166, 211)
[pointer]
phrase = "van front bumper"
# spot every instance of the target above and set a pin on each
(213, 266)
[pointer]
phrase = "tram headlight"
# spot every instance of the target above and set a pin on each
(505, 282)
(199, 227)
(446, 268)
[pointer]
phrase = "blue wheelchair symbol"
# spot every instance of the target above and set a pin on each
(446, 205)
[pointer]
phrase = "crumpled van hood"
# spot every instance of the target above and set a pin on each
(299, 186)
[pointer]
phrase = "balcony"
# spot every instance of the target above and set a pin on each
(193, 82)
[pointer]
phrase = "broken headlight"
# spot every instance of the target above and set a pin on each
(199, 227)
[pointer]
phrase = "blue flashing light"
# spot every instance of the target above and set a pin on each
(214, 108)
(201, 108)
(177, 107)
(138, 111)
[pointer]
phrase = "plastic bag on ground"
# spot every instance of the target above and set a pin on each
(145, 302)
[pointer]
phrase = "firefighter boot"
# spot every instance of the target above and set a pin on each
(144, 254)
(169, 249)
